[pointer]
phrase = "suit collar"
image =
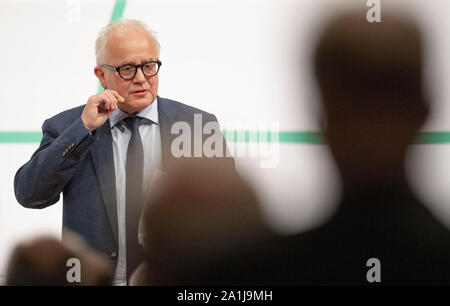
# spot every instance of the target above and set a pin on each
(165, 107)
(150, 113)
(167, 117)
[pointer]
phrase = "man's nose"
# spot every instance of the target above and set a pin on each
(139, 77)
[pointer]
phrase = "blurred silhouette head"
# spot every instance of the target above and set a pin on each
(370, 79)
(43, 262)
(203, 210)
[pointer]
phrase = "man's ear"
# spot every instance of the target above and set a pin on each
(100, 75)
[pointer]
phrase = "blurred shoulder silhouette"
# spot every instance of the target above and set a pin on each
(43, 261)
(370, 76)
(201, 210)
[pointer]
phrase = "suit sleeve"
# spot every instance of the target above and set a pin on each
(39, 182)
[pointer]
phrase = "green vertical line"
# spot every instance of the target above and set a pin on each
(119, 7)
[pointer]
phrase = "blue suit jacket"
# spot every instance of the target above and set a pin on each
(81, 166)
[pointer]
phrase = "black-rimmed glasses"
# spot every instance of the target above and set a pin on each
(128, 71)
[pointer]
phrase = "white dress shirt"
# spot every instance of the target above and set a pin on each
(151, 140)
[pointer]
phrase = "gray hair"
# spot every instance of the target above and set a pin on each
(122, 24)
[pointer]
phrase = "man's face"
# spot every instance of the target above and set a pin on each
(132, 46)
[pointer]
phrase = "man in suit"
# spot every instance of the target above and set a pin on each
(99, 154)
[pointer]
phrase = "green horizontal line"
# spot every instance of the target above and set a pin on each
(433, 138)
(20, 137)
(247, 136)
(264, 136)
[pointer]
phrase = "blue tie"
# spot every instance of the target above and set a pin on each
(134, 195)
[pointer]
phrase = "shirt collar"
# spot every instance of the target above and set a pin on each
(150, 112)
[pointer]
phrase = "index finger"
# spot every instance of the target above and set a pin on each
(118, 97)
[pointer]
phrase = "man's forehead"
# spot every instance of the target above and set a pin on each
(128, 31)
(133, 47)
(130, 39)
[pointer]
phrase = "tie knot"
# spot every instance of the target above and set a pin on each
(132, 123)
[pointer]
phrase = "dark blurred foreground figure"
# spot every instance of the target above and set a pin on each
(43, 262)
(370, 78)
(202, 210)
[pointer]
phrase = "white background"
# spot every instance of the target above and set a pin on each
(245, 61)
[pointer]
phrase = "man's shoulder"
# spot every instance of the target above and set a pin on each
(181, 109)
(66, 116)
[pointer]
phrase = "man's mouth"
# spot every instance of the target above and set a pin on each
(140, 92)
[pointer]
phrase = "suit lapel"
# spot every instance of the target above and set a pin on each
(103, 160)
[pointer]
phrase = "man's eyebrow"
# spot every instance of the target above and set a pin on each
(126, 63)
(131, 63)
